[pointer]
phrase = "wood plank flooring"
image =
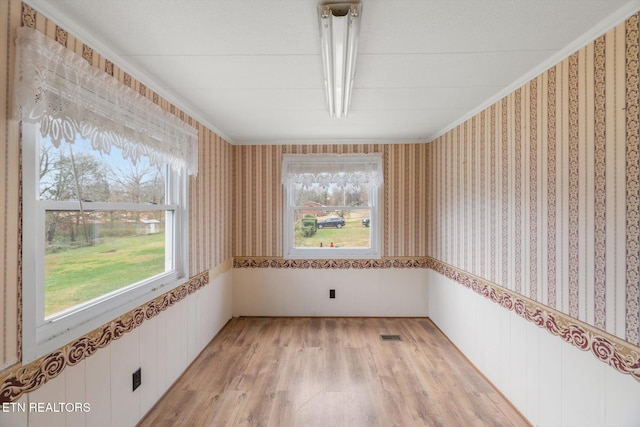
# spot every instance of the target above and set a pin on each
(331, 372)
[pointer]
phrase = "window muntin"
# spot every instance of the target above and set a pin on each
(59, 95)
(331, 206)
(93, 252)
(104, 234)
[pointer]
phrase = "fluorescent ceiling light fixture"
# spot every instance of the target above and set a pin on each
(339, 28)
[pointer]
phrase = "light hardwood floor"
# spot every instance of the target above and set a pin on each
(331, 372)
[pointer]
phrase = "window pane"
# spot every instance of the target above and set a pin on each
(344, 228)
(87, 257)
(332, 195)
(100, 177)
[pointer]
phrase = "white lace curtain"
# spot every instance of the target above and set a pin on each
(69, 98)
(342, 170)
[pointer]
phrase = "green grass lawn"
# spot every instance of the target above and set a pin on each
(352, 235)
(81, 274)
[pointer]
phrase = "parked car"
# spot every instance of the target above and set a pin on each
(365, 222)
(336, 222)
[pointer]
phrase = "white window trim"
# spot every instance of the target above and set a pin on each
(292, 252)
(58, 90)
(41, 336)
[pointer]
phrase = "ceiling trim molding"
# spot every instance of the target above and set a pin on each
(48, 8)
(333, 141)
(50, 11)
(596, 31)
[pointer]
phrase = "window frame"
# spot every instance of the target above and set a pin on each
(42, 335)
(290, 251)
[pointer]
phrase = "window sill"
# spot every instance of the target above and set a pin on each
(59, 331)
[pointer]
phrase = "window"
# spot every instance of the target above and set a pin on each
(332, 206)
(104, 196)
(100, 230)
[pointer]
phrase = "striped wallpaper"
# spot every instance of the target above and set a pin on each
(9, 193)
(258, 197)
(539, 193)
(210, 196)
(210, 193)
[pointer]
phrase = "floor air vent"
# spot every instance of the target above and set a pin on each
(391, 337)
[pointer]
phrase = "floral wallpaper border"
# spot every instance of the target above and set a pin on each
(620, 355)
(25, 379)
(615, 352)
(277, 262)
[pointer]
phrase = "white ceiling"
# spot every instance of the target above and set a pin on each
(252, 69)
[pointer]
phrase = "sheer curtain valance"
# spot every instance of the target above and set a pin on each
(59, 90)
(341, 170)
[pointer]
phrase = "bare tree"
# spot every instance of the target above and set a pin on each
(67, 177)
(139, 184)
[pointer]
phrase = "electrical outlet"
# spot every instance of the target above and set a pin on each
(332, 293)
(137, 379)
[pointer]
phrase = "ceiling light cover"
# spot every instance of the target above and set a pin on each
(339, 28)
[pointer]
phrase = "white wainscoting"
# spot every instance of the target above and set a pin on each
(305, 292)
(162, 346)
(551, 382)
